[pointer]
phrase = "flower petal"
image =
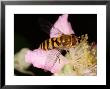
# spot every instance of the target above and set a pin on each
(61, 26)
(36, 57)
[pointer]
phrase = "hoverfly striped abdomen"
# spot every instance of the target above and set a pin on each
(63, 41)
(50, 43)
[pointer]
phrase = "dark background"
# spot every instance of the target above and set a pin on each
(29, 34)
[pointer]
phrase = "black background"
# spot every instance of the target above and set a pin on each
(28, 33)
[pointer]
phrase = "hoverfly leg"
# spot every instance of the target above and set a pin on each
(58, 58)
(58, 55)
(59, 61)
(67, 50)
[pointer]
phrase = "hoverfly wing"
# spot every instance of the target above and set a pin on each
(45, 25)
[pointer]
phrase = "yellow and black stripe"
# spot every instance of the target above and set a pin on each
(50, 43)
(63, 41)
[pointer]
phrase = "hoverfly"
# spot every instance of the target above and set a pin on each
(61, 42)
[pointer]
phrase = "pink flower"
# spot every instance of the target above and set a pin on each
(46, 60)
(61, 26)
